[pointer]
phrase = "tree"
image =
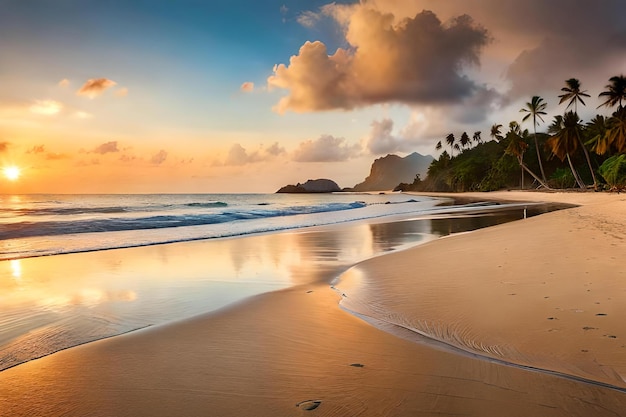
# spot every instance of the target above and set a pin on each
(516, 147)
(596, 133)
(535, 108)
(573, 94)
(567, 135)
(438, 146)
(615, 92)
(465, 140)
(616, 130)
(450, 140)
(477, 138)
(495, 133)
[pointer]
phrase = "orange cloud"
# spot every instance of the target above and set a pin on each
(95, 86)
(413, 60)
(122, 92)
(64, 82)
(159, 157)
(108, 147)
(247, 87)
(4, 146)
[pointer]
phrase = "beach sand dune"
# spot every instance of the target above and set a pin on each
(295, 352)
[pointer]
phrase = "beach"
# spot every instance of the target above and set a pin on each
(523, 318)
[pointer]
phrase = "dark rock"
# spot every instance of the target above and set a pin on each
(312, 186)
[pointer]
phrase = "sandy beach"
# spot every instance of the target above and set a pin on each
(522, 319)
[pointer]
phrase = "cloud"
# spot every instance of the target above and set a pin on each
(238, 155)
(308, 19)
(64, 82)
(159, 157)
(37, 149)
(108, 147)
(275, 149)
(326, 148)
(412, 60)
(83, 115)
(380, 140)
(247, 87)
(4, 146)
(122, 92)
(51, 156)
(95, 87)
(46, 107)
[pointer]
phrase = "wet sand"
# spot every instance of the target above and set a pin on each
(295, 351)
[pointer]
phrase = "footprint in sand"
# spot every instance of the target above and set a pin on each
(357, 365)
(309, 405)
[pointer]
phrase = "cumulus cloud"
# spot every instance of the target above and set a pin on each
(238, 155)
(410, 60)
(247, 87)
(95, 87)
(326, 148)
(46, 107)
(108, 147)
(159, 157)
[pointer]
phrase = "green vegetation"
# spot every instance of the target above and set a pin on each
(569, 155)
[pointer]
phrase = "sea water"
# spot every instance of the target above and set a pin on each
(78, 268)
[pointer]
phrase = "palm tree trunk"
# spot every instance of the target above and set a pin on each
(580, 183)
(525, 168)
(593, 175)
(543, 174)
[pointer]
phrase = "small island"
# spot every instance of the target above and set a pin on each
(321, 185)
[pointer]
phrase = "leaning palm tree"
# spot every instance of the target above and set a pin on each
(573, 93)
(615, 92)
(477, 137)
(567, 132)
(517, 145)
(495, 133)
(535, 108)
(450, 140)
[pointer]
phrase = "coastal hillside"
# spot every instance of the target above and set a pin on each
(389, 171)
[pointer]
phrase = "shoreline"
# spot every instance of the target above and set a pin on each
(236, 361)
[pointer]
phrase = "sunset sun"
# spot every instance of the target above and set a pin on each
(12, 173)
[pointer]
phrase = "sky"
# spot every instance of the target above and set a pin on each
(156, 96)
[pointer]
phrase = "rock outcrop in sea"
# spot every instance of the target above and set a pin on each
(389, 171)
(321, 185)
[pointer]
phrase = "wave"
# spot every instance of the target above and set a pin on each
(114, 224)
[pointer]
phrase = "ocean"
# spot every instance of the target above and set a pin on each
(78, 268)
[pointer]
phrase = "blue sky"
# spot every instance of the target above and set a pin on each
(163, 85)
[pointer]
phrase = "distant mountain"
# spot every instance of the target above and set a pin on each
(312, 186)
(389, 171)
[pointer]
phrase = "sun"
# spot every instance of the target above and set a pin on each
(12, 173)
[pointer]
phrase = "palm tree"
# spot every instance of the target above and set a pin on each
(596, 132)
(450, 139)
(465, 140)
(566, 136)
(438, 146)
(495, 133)
(616, 130)
(516, 147)
(536, 109)
(615, 92)
(477, 137)
(573, 94)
